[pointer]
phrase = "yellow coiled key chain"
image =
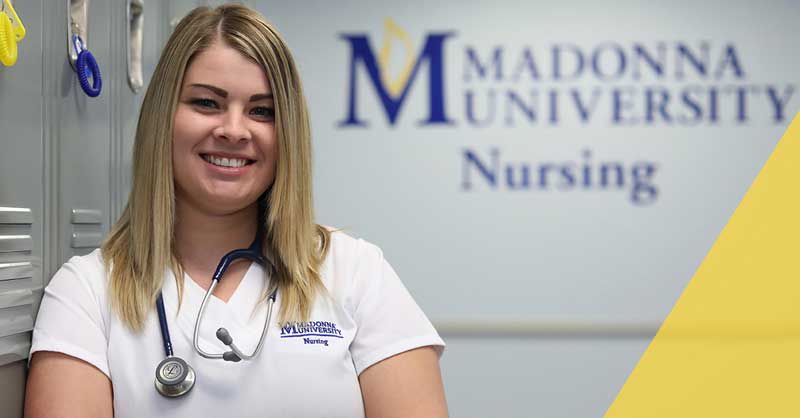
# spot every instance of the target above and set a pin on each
(11, 32)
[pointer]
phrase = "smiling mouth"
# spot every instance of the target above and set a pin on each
(226, 162)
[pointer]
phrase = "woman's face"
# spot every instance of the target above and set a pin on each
(224, 149)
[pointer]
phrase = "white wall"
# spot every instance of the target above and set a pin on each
(547, 297)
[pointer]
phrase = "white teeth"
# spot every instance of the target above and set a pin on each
(225, 162)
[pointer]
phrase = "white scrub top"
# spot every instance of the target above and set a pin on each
(305, 370)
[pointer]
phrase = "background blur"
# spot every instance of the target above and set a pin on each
(545, 177)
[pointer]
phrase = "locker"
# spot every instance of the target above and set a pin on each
(22, 205)
(64, 157)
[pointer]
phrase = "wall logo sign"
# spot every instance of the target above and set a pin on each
(392, 93)
(637, 83)
(491, 85)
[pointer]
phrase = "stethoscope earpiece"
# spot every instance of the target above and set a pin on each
(225, 337)
(174, 377)
(231, 356)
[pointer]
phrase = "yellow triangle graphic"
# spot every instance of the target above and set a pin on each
(731, 345)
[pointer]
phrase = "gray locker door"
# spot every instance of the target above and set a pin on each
(65, 160)
(125, 113)
(22, 203)
(79, 135)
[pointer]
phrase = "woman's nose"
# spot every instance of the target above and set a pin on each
(233, 127)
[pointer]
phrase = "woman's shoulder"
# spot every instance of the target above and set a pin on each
(349, 261)
(345, 249)
(92, 260)
(74, 317)
(89, 264)
(87, 270)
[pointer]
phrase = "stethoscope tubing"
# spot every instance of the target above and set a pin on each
(174, 376)
(253, 253)
(162, 322)
(223, 335)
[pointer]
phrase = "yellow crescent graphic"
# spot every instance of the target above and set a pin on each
(394, 32)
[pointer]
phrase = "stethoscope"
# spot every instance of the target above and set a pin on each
(174, 377)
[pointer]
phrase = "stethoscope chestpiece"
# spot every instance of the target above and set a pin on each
(174, 377)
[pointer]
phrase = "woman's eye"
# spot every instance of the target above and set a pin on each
(207, 103)
(263, 112)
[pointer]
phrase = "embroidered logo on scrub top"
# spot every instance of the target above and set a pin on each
(311, 332)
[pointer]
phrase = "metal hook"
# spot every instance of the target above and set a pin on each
(77, 24)
(134, 44)
(77, 42)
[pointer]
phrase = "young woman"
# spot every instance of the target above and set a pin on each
(222, 161)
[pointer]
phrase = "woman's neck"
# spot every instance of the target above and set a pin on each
(201, 239)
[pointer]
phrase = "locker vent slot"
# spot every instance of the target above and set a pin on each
(15, 319)
(86, 239)
(86, 216)
(20, 282)
(20, 270)
(14, 348)
(15, 243)
(87, 228)
(11, 216)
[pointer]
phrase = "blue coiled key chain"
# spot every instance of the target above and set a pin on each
(86, 66)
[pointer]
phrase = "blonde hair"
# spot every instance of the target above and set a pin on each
(141, 245)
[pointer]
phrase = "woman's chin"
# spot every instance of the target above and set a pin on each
(219, 204)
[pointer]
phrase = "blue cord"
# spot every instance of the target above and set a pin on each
(87, 67)
(162, 322)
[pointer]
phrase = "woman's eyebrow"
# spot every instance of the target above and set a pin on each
(216, 90)
(222, 93)
(257, 97)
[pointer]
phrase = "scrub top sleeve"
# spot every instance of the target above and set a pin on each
(70, 319)
(388, 320)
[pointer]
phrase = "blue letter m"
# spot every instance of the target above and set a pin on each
(432, 52)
